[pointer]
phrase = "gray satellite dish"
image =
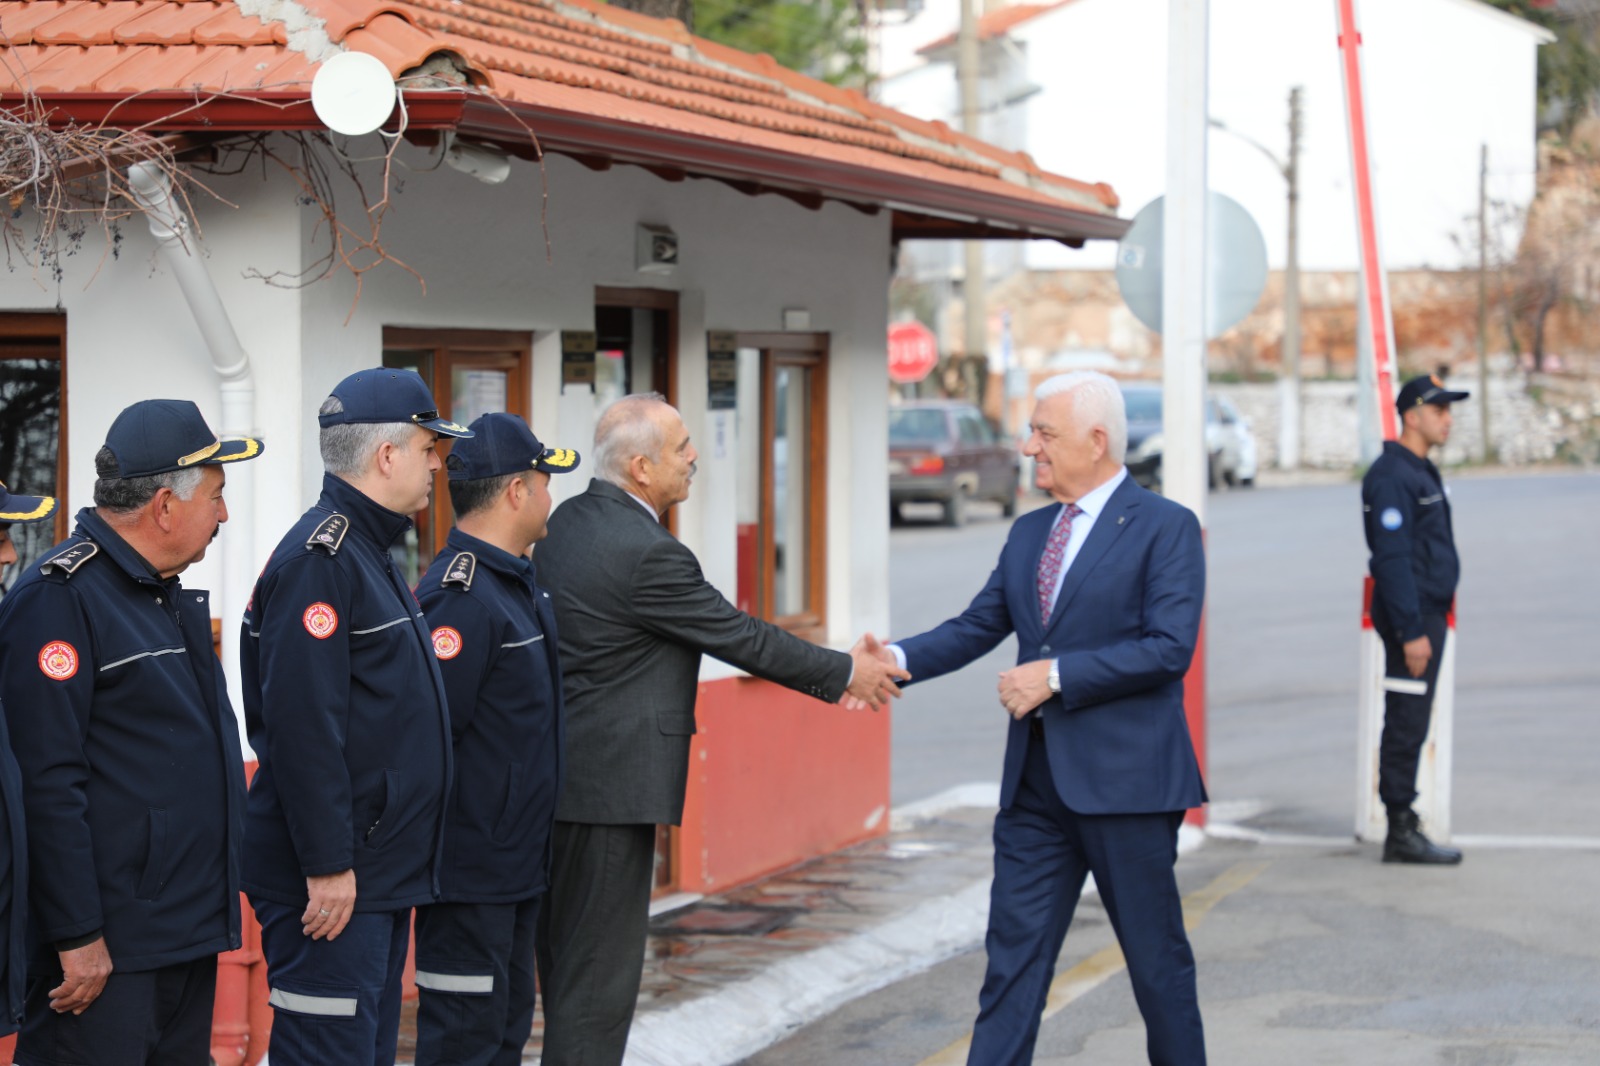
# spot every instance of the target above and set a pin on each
(1236, 264)
(352, 93)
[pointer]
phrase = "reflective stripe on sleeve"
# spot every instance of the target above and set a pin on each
(469, 984)
(1405, 686)
(326, 1006)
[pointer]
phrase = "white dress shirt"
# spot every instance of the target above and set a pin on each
(1092, 503)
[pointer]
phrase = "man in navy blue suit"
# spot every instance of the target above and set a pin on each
(1104, 594)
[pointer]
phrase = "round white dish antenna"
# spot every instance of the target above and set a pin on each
(352, 93)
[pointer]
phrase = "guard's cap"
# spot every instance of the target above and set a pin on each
(385, 394)
(15, 508)
(160, 436)
(503, 444)
(1426, 388)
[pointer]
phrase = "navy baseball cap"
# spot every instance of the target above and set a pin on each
(160, 436)
(384, 394)
(16, 508)
(1426, 389)
(503, 444)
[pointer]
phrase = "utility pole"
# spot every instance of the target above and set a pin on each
(973, 295)
(1289, 436)
(1486, 450)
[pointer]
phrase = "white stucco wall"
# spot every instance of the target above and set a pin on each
(1443, 77)
(743, 260)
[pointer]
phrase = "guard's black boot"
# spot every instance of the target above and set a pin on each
(1406, 842)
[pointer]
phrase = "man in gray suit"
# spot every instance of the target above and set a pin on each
(635, 614)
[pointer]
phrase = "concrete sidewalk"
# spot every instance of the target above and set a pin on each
(1310, 951)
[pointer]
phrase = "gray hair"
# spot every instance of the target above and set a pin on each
(1096, 401)
(347, 449)
(625, 429)
(118, 495)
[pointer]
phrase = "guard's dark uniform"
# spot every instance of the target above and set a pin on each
(494, 635)
(15, 509)
(129, 751)
(346, 711)
(1414, 569)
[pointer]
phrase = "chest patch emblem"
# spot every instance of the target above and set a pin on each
(446, 642)
(58, 660)
(1390, 518)
(320, 620)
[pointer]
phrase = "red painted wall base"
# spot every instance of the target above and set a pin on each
(776, 778)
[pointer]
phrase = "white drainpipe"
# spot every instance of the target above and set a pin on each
(180, 249)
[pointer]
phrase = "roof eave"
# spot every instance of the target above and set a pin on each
(960, 211)
(187, 111)
(922, 208)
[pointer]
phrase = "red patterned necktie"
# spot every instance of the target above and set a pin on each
(1055, 549)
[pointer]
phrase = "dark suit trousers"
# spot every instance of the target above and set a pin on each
(1042, 852)
(591, 939)
(1405, 716)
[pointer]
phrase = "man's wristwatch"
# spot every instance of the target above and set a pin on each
(1055, 676)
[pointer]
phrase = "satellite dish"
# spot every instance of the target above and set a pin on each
(352, 93)
(1236, 264)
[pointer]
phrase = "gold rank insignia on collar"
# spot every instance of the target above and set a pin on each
(461, 570)
(74, 557)
(330, 534)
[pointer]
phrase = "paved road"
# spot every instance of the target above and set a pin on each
(1317, 953)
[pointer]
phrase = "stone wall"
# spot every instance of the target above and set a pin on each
(1532, 419)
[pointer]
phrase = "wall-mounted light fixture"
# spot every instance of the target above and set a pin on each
(655, 249)
(486, 163)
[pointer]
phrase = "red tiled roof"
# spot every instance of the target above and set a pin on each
(997, 23)
(591, 80)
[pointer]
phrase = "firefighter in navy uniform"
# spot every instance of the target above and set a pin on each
(346, 711)
(495, 638)
(130, 759)
(1414, 573)
(15, 510)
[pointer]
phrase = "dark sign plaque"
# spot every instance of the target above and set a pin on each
(722, 371)
(577, 357)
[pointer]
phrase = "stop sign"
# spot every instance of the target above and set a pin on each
(913, 351)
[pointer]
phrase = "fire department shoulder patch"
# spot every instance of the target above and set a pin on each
(320, 620)
(58, 660)
(446, 642)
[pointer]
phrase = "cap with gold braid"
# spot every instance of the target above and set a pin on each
(160, 436)
(18, 509)
(504, 444)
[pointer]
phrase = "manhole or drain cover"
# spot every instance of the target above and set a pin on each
(724, 921)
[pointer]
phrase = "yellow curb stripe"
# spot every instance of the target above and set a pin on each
(1073, 984)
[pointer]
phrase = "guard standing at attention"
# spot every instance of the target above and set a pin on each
(346, 711)
(1414, 573)
(494, 633)
(14, 510)
(129, 751)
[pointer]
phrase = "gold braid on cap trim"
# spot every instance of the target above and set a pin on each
(204, 453)
(46, 505)
(559, 457)
(250, 452)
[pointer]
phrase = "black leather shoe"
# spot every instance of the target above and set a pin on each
(1406, 842)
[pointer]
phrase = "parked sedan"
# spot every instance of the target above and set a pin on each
(1230, 446)
(945, 452)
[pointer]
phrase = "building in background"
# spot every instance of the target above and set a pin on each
(1079, 85)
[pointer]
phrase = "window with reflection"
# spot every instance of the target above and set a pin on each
(781, 505)
(33, 451)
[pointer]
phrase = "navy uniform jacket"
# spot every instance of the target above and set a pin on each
(1414, 564)
(13, 887)
(129, 751)
(346, 712)
(494, 632)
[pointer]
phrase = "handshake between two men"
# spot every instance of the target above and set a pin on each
(1022, 688)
